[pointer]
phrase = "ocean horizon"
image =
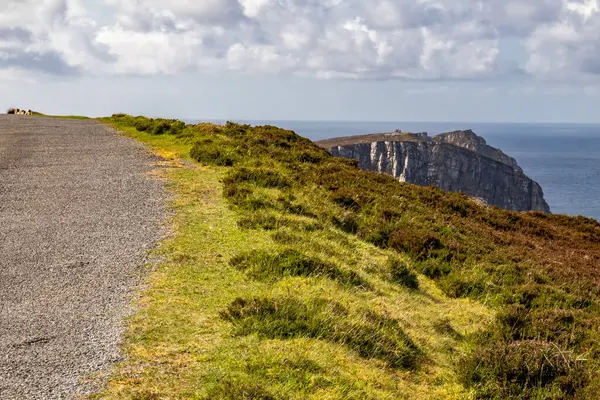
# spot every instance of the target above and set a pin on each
(564, 158)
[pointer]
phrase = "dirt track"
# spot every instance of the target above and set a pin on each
(78, 212)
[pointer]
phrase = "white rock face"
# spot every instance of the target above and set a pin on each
(457, 161)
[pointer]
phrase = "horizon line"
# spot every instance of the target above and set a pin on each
(396, 121)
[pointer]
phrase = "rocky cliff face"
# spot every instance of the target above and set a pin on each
(457, 161)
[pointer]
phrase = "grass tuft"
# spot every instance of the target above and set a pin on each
(401, 274)
(233, 390)
(375, 336)
(266, 265)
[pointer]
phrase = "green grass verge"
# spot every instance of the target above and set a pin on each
(301, 311)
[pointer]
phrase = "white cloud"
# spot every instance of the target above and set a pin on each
(379, 39)
(567, 49)
(586, 8)
(149, 52)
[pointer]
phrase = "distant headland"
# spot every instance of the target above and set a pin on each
(458, 161)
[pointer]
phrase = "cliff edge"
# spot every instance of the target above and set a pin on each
(458, 161)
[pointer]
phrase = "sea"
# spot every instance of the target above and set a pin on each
(563, 158)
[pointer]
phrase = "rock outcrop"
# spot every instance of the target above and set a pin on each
(457, 161)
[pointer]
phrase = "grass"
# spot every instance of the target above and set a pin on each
(289, 262)
(402, 274)
(291, 274)
(80, 117)
(371, 335)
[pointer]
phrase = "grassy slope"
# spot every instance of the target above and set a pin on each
(334, 250)
(179, 346)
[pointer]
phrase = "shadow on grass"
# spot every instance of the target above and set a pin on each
(370, 335)
(264, 265)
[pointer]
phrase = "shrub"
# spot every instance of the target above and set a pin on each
(259, 176)
(415, 242)
(524, 369)
(434, 268)
(237, 194)
(462, 286)
(310, 157)
(161, 127)
(346, 202)
(247, 199)
(378, 237)
(210, 152)
(234, 129)
(555, 325)
(298, 209)
(142, 124)
(158, 126)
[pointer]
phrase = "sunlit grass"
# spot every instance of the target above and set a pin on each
(279, 249)
(180, 345)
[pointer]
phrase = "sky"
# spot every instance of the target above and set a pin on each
(375, 60)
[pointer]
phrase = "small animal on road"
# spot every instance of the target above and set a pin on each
(17, 111)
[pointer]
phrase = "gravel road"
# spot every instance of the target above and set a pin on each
(78, 213)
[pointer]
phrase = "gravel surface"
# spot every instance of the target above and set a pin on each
(78, 213)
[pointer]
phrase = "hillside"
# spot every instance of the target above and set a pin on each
(291, 274)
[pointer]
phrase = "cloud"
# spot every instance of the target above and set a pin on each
(54, 37)
(379, 39)
(567, 49)
(50, 62)
(519, 18)
(18, 35)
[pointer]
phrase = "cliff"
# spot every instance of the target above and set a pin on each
(457, 161)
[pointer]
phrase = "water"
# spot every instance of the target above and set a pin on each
(563, 158)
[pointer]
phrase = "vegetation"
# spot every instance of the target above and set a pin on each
(291, 274)
(402, 274)
(262, 265)
(370, 334)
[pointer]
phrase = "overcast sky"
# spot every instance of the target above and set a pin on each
(401, 60)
